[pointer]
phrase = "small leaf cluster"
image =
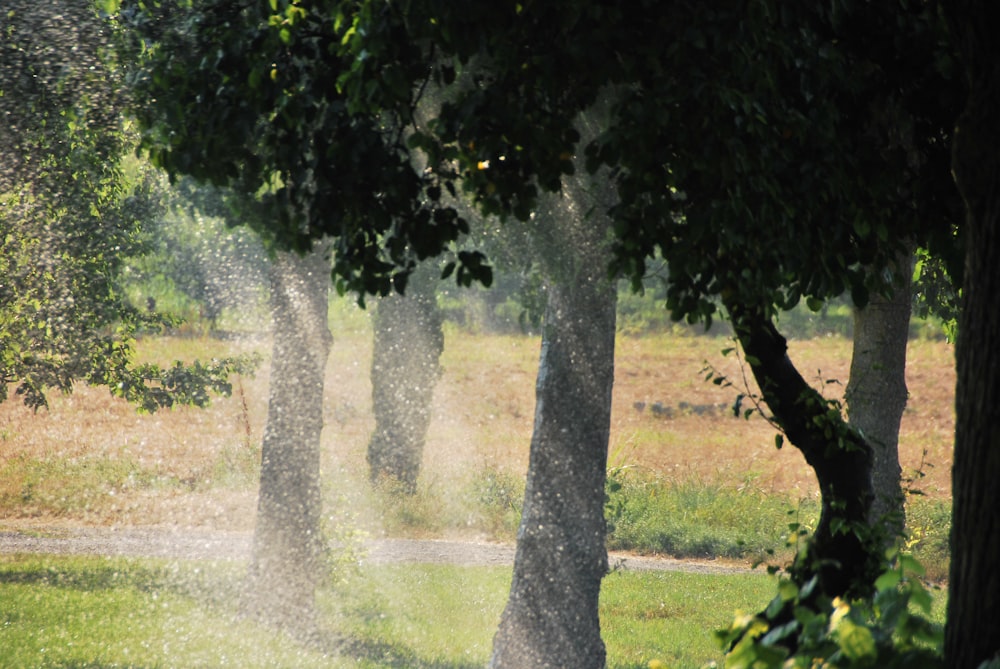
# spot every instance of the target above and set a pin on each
(152, 387)
(892, 629)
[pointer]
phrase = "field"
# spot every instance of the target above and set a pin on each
(687, 482)
(92, 459)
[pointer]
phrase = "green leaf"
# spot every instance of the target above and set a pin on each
(888, 580)
(856, 641)
(787, 590)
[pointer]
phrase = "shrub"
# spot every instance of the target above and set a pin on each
(893, 629)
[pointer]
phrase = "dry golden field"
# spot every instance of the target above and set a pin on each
(92, 459)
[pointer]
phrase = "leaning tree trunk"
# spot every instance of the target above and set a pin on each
(405, 369)
(972, 631)
(287, 545)
(551, 617)
(842, 552)
(876, 394)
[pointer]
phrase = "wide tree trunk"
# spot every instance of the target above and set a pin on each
(551, 618)
(842, 553)
(972, 631)
(876, 394)
(287, 558)
(405, 368)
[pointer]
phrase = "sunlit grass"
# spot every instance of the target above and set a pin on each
(95, 612)
(700, 518)
(669, 616)
(92, 612)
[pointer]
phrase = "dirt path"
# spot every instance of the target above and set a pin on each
(191, 544)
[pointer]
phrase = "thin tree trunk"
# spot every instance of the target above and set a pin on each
(972, 631)
(876, 394)
(405, 368)
(287, 547)
(841, 553)
(551, 618)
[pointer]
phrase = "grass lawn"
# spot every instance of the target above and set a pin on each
(96, 612)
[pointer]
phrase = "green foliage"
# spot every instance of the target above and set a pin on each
(893, 629)
(489, 502)
(313, 126)
(936, 293)
(69, 215)
(194, 266)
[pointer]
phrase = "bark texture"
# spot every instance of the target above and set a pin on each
(287, 558)
(972, 631)
(551, 617)
(877, 394)
(405, 369)
(840, 553)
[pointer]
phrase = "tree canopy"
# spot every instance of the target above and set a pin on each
(770, 152)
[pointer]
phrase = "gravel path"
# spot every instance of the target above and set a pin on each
(191, 544)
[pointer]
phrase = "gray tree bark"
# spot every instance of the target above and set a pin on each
(405, 369)
(551, 617)
(287, 559)
(876, 393)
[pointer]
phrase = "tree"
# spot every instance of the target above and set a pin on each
(768, 152)
(195, 264)
(876, 393)
(722, 159)
(288, 546)
(68, 216)
(972, 631)
(405, 368)
(551, 617)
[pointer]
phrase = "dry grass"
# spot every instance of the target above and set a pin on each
(196, 467)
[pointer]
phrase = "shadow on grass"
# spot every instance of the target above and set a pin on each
(88, 579)
(97, 665)
(396, 656)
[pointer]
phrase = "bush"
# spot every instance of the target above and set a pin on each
(894, 629)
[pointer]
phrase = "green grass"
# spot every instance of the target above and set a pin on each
(95, 612)
(696, 518)
(929, 526)
(669, 616)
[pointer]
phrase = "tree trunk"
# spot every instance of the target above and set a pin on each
(876, 394)
(405, 369)
(551, 618)
(841, 552)
(287, 546)
(972, 631)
